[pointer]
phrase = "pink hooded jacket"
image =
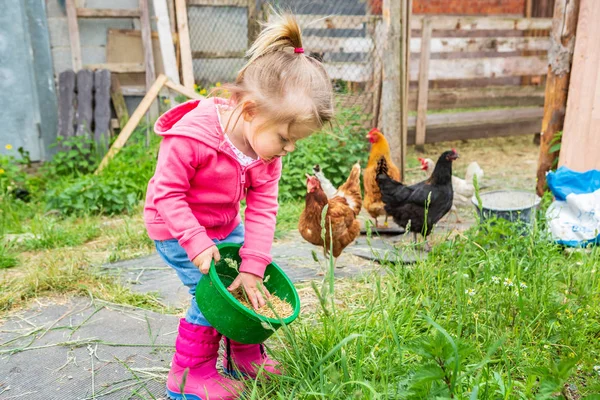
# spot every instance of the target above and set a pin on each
(195, 193)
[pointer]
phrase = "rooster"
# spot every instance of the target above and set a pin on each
(463, 188)
(341, 225)
(379, 148)
(422, 204)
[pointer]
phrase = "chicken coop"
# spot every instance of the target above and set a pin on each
(421, 70)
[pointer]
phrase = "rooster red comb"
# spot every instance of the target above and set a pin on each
(372, 131)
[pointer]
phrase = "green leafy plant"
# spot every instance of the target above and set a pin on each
(555, 145)
(77, 156)
(118, 188)
(335, 149)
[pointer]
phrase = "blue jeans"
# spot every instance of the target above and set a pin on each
(176, 257)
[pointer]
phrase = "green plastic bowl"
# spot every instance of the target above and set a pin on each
(229, 316)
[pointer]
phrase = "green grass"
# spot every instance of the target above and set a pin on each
(52, 233)
(8, 258)
(490, 314)
(287, 217)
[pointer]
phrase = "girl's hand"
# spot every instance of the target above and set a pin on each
(251, 284)
(203, 259)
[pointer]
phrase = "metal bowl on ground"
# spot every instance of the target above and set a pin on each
(511, 205)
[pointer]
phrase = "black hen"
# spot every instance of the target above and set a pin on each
(424, 203)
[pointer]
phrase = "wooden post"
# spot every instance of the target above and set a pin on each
(133, 122)
(392, 84)
(423, 84)
(73, 34)
(405, 79)
(145, 28)
(580, 147)
(253, 26)
(562, 43)
(192, 94)
(102, 108)
(116, 93)
(66, 104)
(187, 66)
(166, 40)
(85, 99)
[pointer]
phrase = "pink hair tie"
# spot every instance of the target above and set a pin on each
(298, 50)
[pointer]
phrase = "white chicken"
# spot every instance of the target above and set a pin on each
(463, 188)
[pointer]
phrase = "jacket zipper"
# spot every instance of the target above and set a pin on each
(242, 173)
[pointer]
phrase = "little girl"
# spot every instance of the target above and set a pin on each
(216, 152)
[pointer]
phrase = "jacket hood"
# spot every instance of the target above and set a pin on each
(195, 119)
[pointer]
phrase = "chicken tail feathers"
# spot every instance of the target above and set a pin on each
(382, 167)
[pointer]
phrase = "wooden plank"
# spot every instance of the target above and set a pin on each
(102, 108)
(479, 124)
(187, 66)
(118, 67)
(482, 23)
(218, 3)
(334, 21)
(85, 100)
(125, 46)
(116, 94)
(406, 19)
(445, 120)
(392, 90)
(135, 90)
(133, 122)
(487, 67)
(483, 44)
(107, 13)
(216, 55)
(580, 149)
(190, 93)
(480, 131)
(557, 84)
(73, 34)
(148, 53)
(173, 24)
(438, 23)
(166, 40)
(494, 96)
(423, 85)
(320, 44)
(66, 103)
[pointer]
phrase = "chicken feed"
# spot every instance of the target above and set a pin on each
(275, 308)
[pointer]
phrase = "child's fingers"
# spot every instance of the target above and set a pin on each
(216, 254)
(235, 284)
(261, 301)
(205, 267)
(252, 297)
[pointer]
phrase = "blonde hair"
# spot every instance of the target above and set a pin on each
(288, 86)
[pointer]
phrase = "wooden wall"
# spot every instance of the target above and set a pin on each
(580, 148)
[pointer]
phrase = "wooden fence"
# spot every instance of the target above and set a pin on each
(456, 62)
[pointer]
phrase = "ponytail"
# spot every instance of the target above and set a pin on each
(282, 32)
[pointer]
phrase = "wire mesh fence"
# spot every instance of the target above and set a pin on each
(340, 33)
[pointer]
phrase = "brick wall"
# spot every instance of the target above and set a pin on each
(465, 7)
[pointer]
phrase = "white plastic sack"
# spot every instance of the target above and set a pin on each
(574, 217)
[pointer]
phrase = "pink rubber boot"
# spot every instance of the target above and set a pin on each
(247, 359)
(194, 365)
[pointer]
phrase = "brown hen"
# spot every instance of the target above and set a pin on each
(341, 225)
